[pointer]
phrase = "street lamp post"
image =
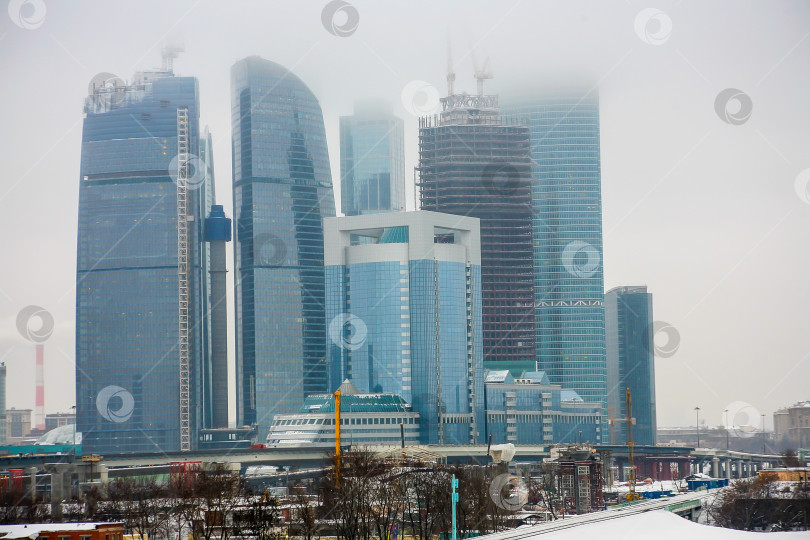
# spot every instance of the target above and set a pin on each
(763, 434)
(697, 425)
(727, 429)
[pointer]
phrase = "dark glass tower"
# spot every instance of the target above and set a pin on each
(282, 191)
(372, 160)
(474, 162)
(630, 361)
(141, 284)
(567, 200)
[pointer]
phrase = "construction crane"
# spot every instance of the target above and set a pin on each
(630, 421)
(631, 495)
(169, 53)
(337, 437)
(451, 73)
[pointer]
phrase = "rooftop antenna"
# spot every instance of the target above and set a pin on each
(451, 74)
(169, 53)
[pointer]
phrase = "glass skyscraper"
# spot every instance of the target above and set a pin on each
(567, 235)
(403, 308)
(630, 361)
(141, 285)
(372, 160)
(282, 190)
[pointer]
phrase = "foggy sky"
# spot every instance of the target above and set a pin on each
(704, 212)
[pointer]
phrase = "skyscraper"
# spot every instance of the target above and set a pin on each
(630, 361)
(372, 160)
(282, 190)
(474, 162)
(404, 311)
(2, 403)
(567, 231)
(217, 233)
(141, 284)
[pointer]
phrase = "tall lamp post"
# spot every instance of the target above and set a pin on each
(697, 425)
(727, 426)
(763, 434)
(75, 419)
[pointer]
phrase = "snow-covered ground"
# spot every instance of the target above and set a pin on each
(664, 485)
(661, 525)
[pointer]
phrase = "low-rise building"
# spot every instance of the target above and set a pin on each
(531, 410)
(792, 425)
(63, 531)
(18, 425)
(365, 419)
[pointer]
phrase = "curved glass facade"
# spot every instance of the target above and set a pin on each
(127, 292)
(567, 235)
(282, 190)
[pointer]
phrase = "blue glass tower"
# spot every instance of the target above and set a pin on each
(282, 190)
(372, 160)
(141, 285)
(567, 235)
(630, 361)
(404, 310)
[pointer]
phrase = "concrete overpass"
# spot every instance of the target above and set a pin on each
(723, 463)
(686, 505)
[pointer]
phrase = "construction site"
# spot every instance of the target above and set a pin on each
(475, 162)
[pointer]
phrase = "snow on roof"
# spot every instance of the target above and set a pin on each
(660, 525)
(570, 395)
(499, 376)
(538, 377)
(33, 530)
(61, 435)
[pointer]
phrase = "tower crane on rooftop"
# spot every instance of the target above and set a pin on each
(169, 53)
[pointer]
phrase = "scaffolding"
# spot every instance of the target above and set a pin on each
(183, 166)
(475, 162)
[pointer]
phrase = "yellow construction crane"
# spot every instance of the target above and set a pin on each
(629, 420)
(337, 437)
(631, 495)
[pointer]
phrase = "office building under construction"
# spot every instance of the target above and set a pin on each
(475, 162)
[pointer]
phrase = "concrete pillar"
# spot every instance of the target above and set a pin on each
(715, 467)
(32, 483)
(103, 474)
(60, 486)
(740, 469)
(728, 467)
(103, 478)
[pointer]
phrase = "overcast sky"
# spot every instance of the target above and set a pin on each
(710, 213)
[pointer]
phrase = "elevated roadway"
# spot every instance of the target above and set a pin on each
(687, 503)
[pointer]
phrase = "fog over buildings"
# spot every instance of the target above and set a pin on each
(702, 203)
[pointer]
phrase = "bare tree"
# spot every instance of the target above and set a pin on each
(305, 515)
(257, 516)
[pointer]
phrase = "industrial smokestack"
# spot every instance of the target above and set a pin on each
(40, 390)
(217, 233)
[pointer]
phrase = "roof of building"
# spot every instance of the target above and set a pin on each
(394, 235)
(66, 434)
(351, 401)
(538, 377)
(499, 376)
(570, 395)
(33, 530)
